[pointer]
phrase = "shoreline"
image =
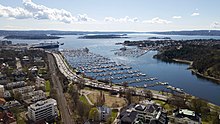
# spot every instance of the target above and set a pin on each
(195, 71)
(153, 91)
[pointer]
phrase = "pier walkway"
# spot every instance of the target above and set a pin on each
(68, 72)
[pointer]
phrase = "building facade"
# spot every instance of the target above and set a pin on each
(104, 113)
(42, 110)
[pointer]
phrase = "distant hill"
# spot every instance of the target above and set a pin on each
(31, 37)
(56, 32)
(106, 36)
(195, 32)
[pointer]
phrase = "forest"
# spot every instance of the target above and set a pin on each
(206, 59)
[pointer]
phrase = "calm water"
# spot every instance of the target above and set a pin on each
(176, 74)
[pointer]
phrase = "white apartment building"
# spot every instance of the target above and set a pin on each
(42, 110)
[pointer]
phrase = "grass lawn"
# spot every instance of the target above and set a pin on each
(159, 102)
(168, 107)
(20, 120)
(47, 86)
(109, 100)
(114, 113)
(84, 100)
(47, 94)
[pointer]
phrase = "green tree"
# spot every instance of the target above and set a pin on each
(17, 96)
(94, 114)
(197, 105)
(215, 118)
(109, 120)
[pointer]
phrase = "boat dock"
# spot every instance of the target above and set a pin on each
(104, 69)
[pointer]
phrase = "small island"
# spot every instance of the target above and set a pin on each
(31, 37)
(155, 38)
(107, 36)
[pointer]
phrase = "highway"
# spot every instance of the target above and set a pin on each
(62, 103)
(65, 69)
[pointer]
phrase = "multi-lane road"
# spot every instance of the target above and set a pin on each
(62, 103)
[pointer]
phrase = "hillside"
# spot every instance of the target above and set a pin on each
(206, 59)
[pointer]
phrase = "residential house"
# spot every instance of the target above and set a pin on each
(186, 116)
(140, 113)
(39, 82)
(19, 75)
(23, 90)
(33, 96)
(17, 84)
(11, 104)
(7, 94)
(104, 113)
(7, 117)
(3, 79)
(2, 90)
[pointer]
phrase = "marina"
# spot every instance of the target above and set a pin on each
(104, 69)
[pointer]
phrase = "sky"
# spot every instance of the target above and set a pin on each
(110, 15)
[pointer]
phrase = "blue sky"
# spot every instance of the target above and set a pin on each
(111, 15)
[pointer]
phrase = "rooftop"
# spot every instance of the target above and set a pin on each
(44, 102)
(187, 112)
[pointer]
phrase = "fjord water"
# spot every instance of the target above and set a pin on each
(176, 74)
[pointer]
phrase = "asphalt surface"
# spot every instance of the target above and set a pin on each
(62, 103)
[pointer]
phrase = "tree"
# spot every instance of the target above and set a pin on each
(83, 110)
(128, 95)
(177, 101)
(17, 96)
(73, 91)
(94, 114)
(80, 84)
(125, 85)
(197, 105)
(110, 120)
(53, 93)
(100, 99)
(215, 118)
(148, 94)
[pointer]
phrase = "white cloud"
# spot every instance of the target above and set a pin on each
(195, 14)
(84, 17)
(125, 19)
(157, 20)
(177, 17)
(17, 12)
(36, 11)
(43, 12)
(215, 25)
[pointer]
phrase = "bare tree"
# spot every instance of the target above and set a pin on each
(100, 99)
(148, 94)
